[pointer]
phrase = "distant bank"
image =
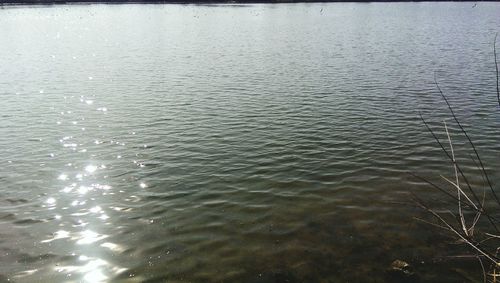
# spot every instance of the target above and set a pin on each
(51, 2)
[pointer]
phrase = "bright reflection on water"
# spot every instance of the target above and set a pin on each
(83, 221)
(231, 143)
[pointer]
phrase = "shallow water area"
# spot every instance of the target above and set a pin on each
(234, 143)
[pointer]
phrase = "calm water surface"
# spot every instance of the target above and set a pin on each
(233, 143)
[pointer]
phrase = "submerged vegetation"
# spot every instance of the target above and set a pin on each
(470, 211)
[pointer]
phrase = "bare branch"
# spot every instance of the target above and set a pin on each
(468, 138)
(457, 184)
(496, 67)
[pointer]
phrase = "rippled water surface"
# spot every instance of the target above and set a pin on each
(233, 143)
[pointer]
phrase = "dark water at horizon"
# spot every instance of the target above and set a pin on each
(234, 143)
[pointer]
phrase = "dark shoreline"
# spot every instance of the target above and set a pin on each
(57, 2)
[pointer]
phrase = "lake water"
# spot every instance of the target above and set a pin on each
(234, 143)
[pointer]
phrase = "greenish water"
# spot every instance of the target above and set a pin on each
(233, 143)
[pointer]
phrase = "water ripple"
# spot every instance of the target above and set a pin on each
(231, 143)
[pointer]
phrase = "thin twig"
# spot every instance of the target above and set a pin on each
(457, 184)
(496, 66)
(482, 268)
(482, 177)
(492, 235)
(492, 219)
(469, 187)
(485, 253)
(449, 157)
(461, 192)
(468, 138)
(432, 224)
